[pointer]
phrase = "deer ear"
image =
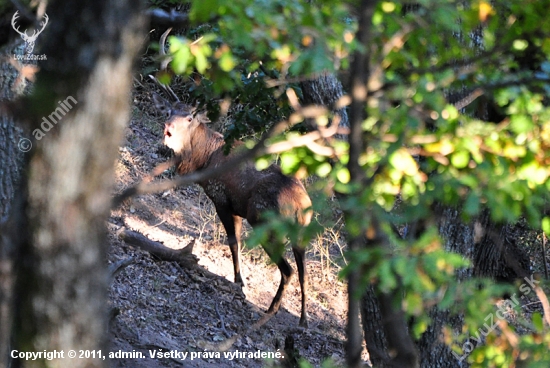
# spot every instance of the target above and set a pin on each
(200, 115)
(162, 105)
(195, 108)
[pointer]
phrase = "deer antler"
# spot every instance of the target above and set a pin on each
(164, 65)
(16, 28)
(44, 23)
(35, 34)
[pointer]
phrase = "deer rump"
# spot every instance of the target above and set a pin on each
(238, 193)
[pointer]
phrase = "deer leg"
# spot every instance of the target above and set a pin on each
(235, 248)
(233, 226)
(300, 257)
(286, 274)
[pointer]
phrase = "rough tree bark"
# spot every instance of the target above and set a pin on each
(11, 161)
(358, 89)
(392, 319)
(325, 90)
(58, 218)
(458, 237)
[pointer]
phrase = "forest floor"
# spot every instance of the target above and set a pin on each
(164, 307)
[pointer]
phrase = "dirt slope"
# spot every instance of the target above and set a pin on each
(164, 307)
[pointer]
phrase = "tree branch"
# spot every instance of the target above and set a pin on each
(184, 256)
(479, 91)
(172, 18)
(259, 149)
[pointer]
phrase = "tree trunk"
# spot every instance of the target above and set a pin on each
(76, 116)
(459, 238)
(375, 337)
(368, 229)
(496, 254)
(11, 156)
(493, 254)
(11, 159)
(325, 90)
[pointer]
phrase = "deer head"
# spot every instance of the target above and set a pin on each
(179, 125)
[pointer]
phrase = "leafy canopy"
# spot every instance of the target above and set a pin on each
(489, 148)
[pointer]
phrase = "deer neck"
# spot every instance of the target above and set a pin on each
(204, 143)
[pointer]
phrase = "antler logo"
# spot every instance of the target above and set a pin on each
(29, 40)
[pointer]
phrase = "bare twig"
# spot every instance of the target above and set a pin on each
(139, 83)
(397, 41)
(479, 91)
(544, 255)
(165, 88)
(227, 334)
(309, 140)
(468, 99)
(120, 265)
(530, 304)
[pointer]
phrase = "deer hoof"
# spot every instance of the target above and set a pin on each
(239, 281)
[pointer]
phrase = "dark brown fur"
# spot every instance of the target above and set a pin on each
(239, 193)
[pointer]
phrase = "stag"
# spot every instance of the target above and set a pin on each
(29, 40)
(238, 193)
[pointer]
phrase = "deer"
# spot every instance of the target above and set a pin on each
(239, 193)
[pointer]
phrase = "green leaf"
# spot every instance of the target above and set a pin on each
(343, 175)
(203, 10)
(460, 159)
(538, 322)
(323, 170)
(521, 124)
(289, 162)
(200, 61)
(262, 164)
(520, 45)
(181, 60)
(546, 225)
(472, 204)
(387, 277)
(227, 62)
(403, 161)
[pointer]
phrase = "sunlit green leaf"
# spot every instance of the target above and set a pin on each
(324, 169)
(546, 225)
(538, 321)
(200, 62)
(460, 159)
(181, 59)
